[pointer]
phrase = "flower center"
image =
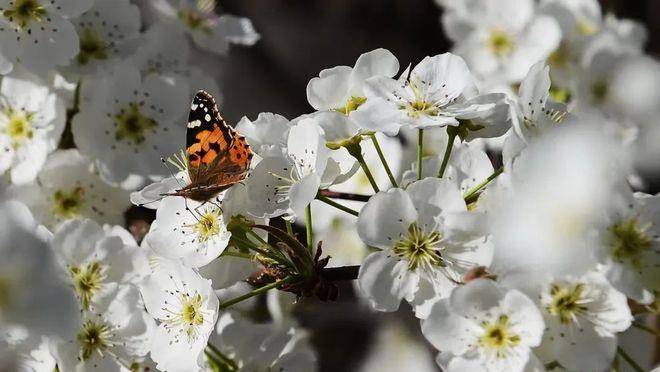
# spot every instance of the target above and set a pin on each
(586, 28)
(68, 204)
(209, 225)
(420, 105)
(195, 21)
(420, 248)
(630, 242)
(188, 317)
(599, 91)
(561, 57)
(19, 127)
(501, 43)
(132, 125)
(351, 105)
(24, 11)
(94, 337)
(91, 46)
(498, 337)
(87, 280)
(567, 302)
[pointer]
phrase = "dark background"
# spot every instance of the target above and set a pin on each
(299, 39)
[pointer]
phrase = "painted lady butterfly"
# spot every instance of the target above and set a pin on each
(217, 156)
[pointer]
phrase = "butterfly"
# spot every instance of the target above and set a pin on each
(217, 156)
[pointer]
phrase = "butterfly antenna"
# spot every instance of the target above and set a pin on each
(150, 202)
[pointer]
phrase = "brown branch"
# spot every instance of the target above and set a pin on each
(341, 273)
(344, 195)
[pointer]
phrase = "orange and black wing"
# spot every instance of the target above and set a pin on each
(207, 136)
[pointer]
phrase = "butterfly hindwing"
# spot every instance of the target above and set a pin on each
(207, 134)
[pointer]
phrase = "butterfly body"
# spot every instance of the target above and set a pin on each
(217, 156)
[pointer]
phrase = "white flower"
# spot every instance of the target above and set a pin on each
(427, 242)
(108, 339)
(164, 49)
(31, 123)
(286, 184)
(484, 328)
(105, 32)
(67, 187)
(538, 227)
(536, 113)
(127, 124)
(96, 262)
(37, 34)
(341, 88)
(262, 347)
(209, 31)
(629, 248)
(267, 135)
(30, 281)
(437, 92)
(187, 308)
(501, 39)
(191, 231)
(582, 316)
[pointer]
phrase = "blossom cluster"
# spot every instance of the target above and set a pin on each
(495, 190)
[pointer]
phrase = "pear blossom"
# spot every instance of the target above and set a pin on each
(209, 31)
(582, 317)
(437, 92)
(31, 123)
(629, 247)
(191, 231)
(96, 262)
(38, 34)
(67, 187)
(126, 124)
(105, 32)
(186, 309)
(291, 181)
(31, 280)
(426, 240)
(267, 135)
(501, 39)
(118, 331)
(482, 327)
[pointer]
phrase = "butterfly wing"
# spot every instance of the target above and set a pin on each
(218, 156)
(207, 137)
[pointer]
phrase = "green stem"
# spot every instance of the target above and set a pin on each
(289, 228)
(257, 292)
(628, 359)
(483, 184)
(249, 245)
(308, 228)
(238, 254)
(450, 146)
(420, 152)
(223, 358)
(374, 140)
(333, 203)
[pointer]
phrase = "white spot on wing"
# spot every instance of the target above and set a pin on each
(207, 117)
(194, 124)
(193, 107)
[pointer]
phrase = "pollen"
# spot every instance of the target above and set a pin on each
(567, 302)
(630, 242)
(18, 126)
(351, 105)
(420, 248)
(498, 337)
(92, 46)
(23, 12)
(87, 280)
(187, 317)
(501, 43)
(94, 337)
(132, 125)
(67, 204)
(208, 225)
